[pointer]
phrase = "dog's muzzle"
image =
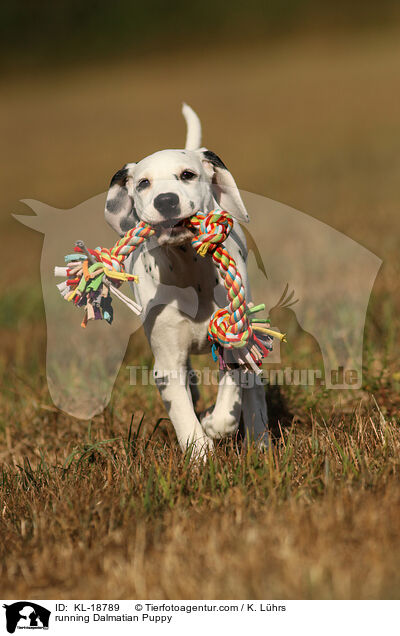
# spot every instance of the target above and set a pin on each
(174, 230)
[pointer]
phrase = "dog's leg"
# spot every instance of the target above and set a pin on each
(224, 419)
(175, 393)
(254, 411)
(169, 335)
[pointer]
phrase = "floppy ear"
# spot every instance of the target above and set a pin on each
(225, 190)
(120, 211)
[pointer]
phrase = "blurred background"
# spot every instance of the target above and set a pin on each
(300, 99)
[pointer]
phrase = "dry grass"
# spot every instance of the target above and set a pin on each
(99, 514)
(98, 510)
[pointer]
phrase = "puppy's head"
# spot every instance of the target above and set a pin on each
(168, 187)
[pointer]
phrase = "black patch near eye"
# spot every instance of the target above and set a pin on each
(188, 175)
(143, 184)
(214, 159)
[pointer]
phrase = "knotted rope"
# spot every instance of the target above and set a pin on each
(93, 274)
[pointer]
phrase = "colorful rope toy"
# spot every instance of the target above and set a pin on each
(92, 275)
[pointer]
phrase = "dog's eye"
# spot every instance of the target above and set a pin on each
(143, 183)
(188, 175)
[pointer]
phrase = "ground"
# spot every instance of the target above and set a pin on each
(110, 508)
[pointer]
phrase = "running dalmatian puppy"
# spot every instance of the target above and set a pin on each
(163, 189)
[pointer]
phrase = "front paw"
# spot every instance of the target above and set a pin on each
(219, 427)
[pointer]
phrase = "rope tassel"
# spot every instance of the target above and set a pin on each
(93, 274)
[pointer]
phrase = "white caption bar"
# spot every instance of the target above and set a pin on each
(169, 617)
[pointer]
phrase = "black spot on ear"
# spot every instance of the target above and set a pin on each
(214, 159)
(115, 204)
(192, 205)
(119, 178)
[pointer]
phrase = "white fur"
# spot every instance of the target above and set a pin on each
(169, 259)
(193, 135)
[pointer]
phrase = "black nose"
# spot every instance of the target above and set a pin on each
(166, 202)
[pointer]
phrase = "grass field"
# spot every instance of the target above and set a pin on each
(110, 508)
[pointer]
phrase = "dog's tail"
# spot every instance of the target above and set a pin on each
(193, 135)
